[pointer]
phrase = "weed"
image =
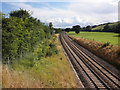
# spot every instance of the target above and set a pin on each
(105, 45)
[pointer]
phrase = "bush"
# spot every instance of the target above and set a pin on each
(105, 45)
(21, 33)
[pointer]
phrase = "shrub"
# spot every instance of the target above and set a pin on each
(105, 45)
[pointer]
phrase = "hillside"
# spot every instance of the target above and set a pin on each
(110, 27)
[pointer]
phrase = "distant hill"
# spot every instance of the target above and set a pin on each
(106, 27)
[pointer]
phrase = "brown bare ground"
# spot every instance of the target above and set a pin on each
(109, 53)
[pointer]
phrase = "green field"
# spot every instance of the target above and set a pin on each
(103, 37)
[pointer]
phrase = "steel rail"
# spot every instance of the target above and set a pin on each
(105, 72)
(93, 77)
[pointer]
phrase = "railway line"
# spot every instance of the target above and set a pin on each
(91, 72)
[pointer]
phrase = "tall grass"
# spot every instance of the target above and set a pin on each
(107, 52)
(47, 72)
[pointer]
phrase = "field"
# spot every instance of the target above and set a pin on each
(103, 37)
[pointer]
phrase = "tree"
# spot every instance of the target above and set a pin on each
(83, 29)
(67, 29)
(106, 27)
(117, 28)
(51, 27)
(76, 28)
(88, 28)
(20, 13)
(58, 30)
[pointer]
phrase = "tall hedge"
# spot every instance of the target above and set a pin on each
(20, 33)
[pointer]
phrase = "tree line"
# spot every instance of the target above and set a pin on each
(76, 28)
(114, 27)
(106, 27)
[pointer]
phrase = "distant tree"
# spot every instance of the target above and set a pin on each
(117, 28)
(88, 28)
(51, 27)
(106, 27)
(38, 21)
(67, 29)
(83, 29)
(76, 28)
(58, 30)
(94, 26)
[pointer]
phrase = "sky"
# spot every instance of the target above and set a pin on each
(67, 13)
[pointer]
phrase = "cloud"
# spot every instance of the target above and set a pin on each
(83, 12)
(20, 0)
(95, 12)
(100, 8)
(40, 0)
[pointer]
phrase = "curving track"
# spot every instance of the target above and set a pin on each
(91, 71)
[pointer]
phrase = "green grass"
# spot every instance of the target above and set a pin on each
(103, 37)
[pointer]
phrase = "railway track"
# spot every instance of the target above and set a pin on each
(90, 71)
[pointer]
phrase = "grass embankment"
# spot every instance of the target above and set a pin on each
(109, 53)
(103, 37)
(48, 72)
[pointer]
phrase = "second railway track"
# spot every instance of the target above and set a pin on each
(91, 73)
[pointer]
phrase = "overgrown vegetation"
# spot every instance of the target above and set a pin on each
(34, 56)
(48, 72)
(105, 45)
(22, 33)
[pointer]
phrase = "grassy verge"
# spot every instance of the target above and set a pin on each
(107, 52)
(48, 72)
(103, 37)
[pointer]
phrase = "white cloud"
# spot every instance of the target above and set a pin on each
(82, 12)
(40, 0)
